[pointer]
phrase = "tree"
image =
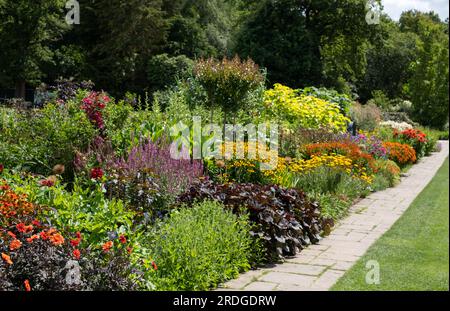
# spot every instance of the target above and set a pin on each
(228, 82)
(307, 42)
(120, 37)
(428, 86)
(388, 62)
(27, 30)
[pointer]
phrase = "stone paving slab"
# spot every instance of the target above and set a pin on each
(318, 267)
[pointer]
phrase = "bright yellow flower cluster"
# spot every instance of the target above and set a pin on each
(250, 152)
(295, 109)
(334, 161)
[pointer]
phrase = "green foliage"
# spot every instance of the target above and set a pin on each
(307, 42)
(332, 96)
(37, 140)
(388, 62)
(293, 109)
(163, 70)
(228, 82)
(83, 209)
(387, 174)
(428, 86)
(197, 248)
(27, 32)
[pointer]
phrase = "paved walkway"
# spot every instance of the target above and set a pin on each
(318, 267)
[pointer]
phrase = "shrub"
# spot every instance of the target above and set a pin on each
(327, 179)
(366, 117)
(415, 138)
(345, 148)
(402, 154)
(163, 70)
(83, 209)
(173, 176)
(291, 141)
(140, 192)
(197, 248)
(389, 170)
(239, 170)
(228, 82)
(294, 110)
(290, 168)
(67, 89)
(343, 100)
(284, 218)
(399, 126)
(38, 140)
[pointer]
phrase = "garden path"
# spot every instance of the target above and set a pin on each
(318, 267)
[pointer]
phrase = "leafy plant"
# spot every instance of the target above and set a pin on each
(402, 154)
(197, 248)
(285, 219)
(297, 110)
(343, 100)
(228, 82)
(415, 138)
(37, 140)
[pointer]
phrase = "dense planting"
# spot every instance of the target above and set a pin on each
(88, 181)
(284, 219)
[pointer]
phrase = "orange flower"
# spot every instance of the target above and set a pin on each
(57, 239)
(32, 238)
(12, 235)
(7, 259)
(76, 253)
(15, 244)
(27, 285)
(107, 246)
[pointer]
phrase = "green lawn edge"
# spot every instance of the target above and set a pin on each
(414, 254)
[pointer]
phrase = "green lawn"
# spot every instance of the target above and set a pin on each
(414, 254)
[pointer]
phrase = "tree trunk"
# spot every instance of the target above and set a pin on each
(20, 89)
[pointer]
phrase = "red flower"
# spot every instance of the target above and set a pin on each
(27, 285)
(1, 168)
(20, 227)
(43, 235)
(78, 235)
(12, 235)
(129, 250)
(75, 242)
(76, 253)
(36, 223)
(96, 173)
(24, 229)
(123, 239)
(47, 183)
(155, 267)
(107, 246)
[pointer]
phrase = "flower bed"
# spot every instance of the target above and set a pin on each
(95, 201)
